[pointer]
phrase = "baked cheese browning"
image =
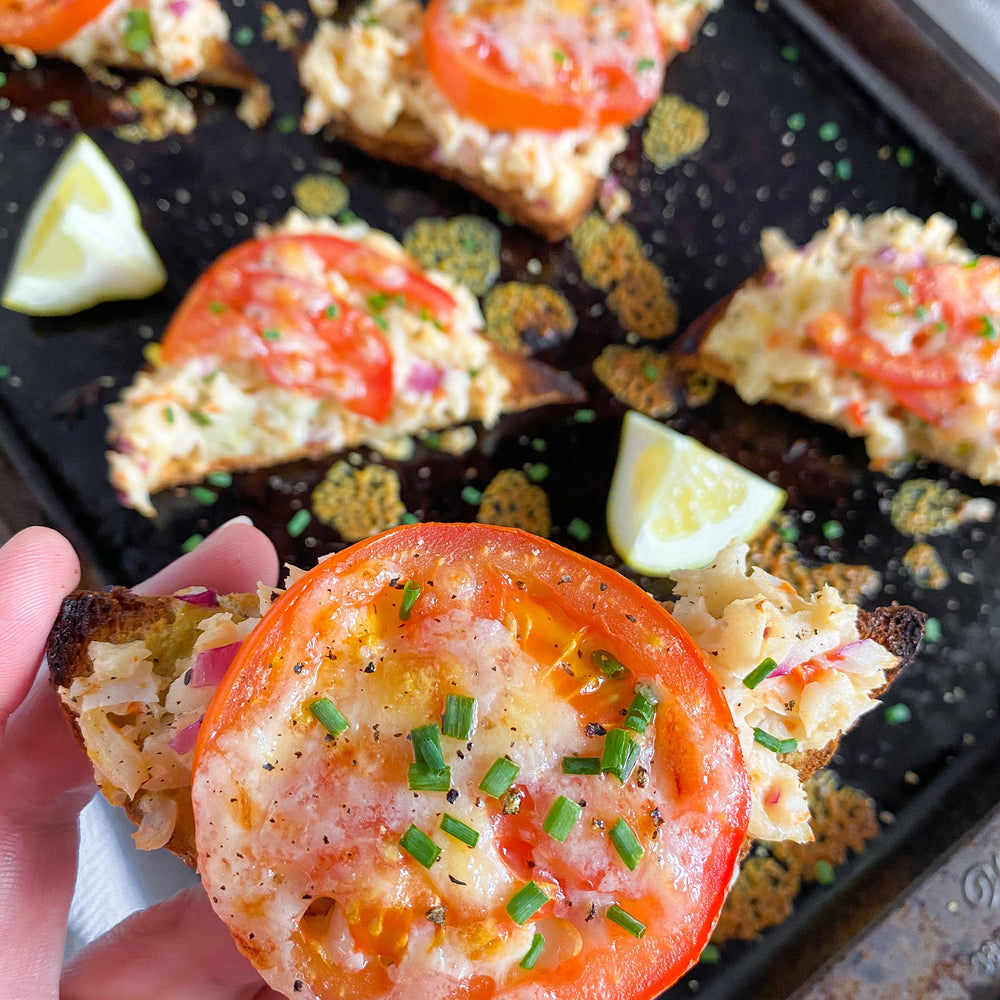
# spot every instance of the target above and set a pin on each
(884, 327)
(178, 41)
(311, 359)
(411, 844)
(370, 82)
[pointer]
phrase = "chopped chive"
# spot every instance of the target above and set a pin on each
(271, 333)
(537, 472)
(897, 714)
(427, 747)
(645, 64)
(526, 902)
(650, 372)
(710, 954)
(431, 440)
(625, 920)
(796, 122)
(459, 716)
(578, 529)
(459, 830)
(904, 156)
(626, 843)
(168, 414)
(620, 754)
(199, 418)
(409, 518)
(287, 124)
(789, 533)
(411, 591)
(243, 35)
(832, 530)
(531, 956)
(581, 765)
(988, 328)
(471, 495)
(137, 30)
(332, 311)
(829, 131)
(790, 53)
(216, 307)
(561, 818)
(585, 416)
(932, 630)
(190, 544)
(976, 209)
(539, 444)
(770, 742)
(419, 846)
(220, 479)
(899, 283)
(499, 777)
(824, 872)
(641, 709)
(298, 522)
(609, 666)
(422, 779)
(843, 169)
(328, 716)
(559, 56)
(381, 322)
(3, 79)
(378, 301)
(765, 668)
(203, 495)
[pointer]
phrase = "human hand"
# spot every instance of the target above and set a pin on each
(177, 949)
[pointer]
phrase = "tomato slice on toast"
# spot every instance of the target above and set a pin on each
(533, 64)
(279, 302)
(44, 25)
(570, 832)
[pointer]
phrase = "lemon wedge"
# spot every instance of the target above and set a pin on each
(83, 241)
(674, 503)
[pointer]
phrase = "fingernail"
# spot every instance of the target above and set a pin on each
(239, 519)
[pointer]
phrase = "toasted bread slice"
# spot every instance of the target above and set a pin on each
(143, 761)
(173, 425)
(367, 84)
(903, 365)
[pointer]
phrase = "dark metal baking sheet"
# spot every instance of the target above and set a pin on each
(753, 67)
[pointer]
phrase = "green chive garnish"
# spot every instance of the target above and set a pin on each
(459, 716)
(332, 311)
(216, 307)
(710, 954)
(287, 124)
(585, 416)
(381, 322)
(581, 765)
(409, 518)
(770, 742)
(537, 944)
(298, 522)
(411, 591)
(419, 846)
(538, 472)
(988, 328)
(427, 747)
(526, 902)
(833, 530)
(561, 818)
(199, 418)
(499, 777)
(626, 921)
(168, 414)
(471, 495)
(626, 843)
(421, 779)
(796, 121)
(645, 64)
(824, 872)
(620, 754)
(897, 714)
(459, 830)
(203, 495)
(640, 710)
(328, 716)
(220, 479)
(378, 301)
(829, 131)
(763, 669)
(608, 665)
(932, 630)
(579, 529)
(272, 333)
(137, 30)
(190, 544)
(243, 35)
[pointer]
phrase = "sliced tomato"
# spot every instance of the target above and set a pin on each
(517, 64)
(43, 25)
(275, 302)
(299, 829)
(927, 327)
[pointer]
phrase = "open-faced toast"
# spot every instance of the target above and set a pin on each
(135, 674)
(883, 326)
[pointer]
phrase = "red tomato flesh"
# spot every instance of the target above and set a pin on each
(269, 301)
(43, 25)
(533, 64)
(923, 333)
(301, 828)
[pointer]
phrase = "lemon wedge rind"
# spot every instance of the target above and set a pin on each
(82, 242)
(674, 503)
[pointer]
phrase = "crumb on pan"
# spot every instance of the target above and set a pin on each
(281, 27)
(255, 105)
(612, 259)
(467, 248)
(358, 502)
(674, 129)
(640, 377)
(843, 821)
(774, 552)
(924, 565)
(523, 318)
(162, 111)
(458, 440)
(512, 501)
(923, 507)
(320, 195)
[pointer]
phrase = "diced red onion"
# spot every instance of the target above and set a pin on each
(203, 598)
(773, 797)
(186, 738)
(423, 377)
(178, 7)
(885, 255)
(210, 665)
